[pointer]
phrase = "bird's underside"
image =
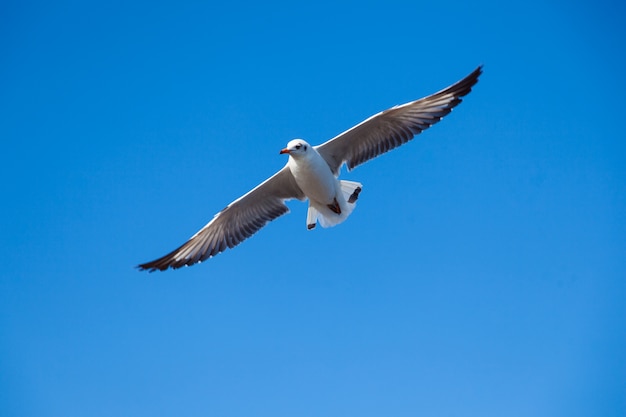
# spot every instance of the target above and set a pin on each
(370, 138)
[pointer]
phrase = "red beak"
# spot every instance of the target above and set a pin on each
(282, 151)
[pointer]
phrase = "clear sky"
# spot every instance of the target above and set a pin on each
(483, 272)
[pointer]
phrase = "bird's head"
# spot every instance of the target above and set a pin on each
(297, 148)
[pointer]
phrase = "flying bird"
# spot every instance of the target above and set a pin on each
(311, 173)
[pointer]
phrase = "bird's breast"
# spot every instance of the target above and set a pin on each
(314, 178)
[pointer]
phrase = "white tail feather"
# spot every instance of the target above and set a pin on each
(348, 189)
(311, 217)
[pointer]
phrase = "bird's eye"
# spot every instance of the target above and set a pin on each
(305, 147)
(298, 146)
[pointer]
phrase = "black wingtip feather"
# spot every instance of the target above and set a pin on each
(400, 125)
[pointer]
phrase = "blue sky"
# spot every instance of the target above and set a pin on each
(482, 273)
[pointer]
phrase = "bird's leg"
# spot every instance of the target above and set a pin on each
(334, 206)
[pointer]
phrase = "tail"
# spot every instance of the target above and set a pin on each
(351, 191)
(347, 201)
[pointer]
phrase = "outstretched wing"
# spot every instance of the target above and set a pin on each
(393, 127)
(237, 222)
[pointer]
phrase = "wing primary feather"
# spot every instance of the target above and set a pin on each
(393, 127)
(237, 222)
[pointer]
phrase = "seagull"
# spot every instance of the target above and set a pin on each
(312, 173)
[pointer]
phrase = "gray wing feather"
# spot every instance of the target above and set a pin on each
(393, 127)
(237, 222)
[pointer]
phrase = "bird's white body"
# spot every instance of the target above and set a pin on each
(328, 196)
(313, 176)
